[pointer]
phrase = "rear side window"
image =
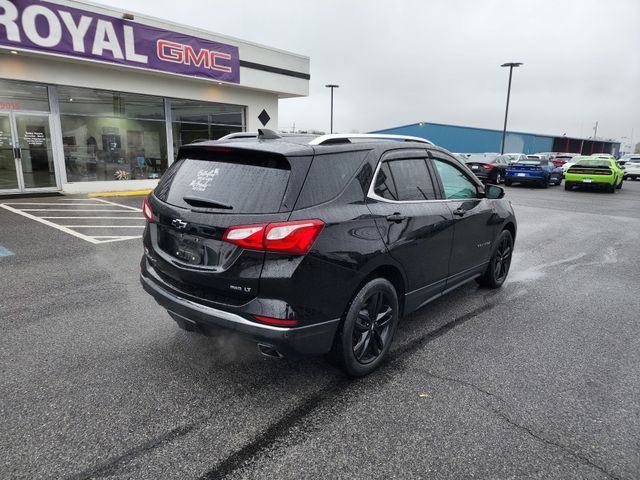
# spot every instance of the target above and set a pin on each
(454, 182)
(228, 182)
(328, 176)
(404, 180)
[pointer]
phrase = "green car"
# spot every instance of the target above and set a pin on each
(594, 172)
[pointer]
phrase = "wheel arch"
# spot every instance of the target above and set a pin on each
(511, 227)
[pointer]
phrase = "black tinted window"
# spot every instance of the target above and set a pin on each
(404, 180)
(240, 182)
(328, 176)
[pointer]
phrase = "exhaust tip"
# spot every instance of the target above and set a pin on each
(269, 351)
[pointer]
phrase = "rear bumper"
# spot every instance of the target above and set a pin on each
(313, 339)
(527, 179)
(602, 180)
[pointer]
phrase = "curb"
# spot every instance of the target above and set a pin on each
(128, 193)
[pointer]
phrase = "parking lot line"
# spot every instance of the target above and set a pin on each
(50, 224)
(107, 218)
(83, 209)
(103, 226)
(68, 210)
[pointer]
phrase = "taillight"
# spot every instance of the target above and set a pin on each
(146, 210)
(292, 237)
(285, 237)
(278, 322)
(247, 236)
(487, 166)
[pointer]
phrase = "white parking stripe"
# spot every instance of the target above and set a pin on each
(52, 203)
(119, 205)
(68, 210)
(103, 226)
(72, 208)
(108, 218)
(51, 224)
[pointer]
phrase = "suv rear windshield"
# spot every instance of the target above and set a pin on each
(227, 182)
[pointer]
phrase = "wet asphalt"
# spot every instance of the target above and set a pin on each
(540, 379)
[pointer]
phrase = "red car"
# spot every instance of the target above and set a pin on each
(561, 159)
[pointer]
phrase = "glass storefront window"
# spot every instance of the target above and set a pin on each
(194, 121)
(112, 135)
(23, 96)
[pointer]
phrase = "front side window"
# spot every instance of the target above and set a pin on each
(405, 180)
(455, 183)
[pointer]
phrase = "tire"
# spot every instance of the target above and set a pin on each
(568, 187)
(507, 182)
(611, 188)
(545, 183)
(498, 178)
(500, 261)
(360, 346)
(619, 187)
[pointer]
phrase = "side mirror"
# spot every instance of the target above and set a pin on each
(493, 192)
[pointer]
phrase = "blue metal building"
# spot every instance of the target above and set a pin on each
(457, 138)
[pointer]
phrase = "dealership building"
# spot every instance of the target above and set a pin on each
(97, 99)
(456, 138)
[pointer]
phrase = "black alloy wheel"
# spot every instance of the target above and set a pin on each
(368, 328)
(500, 262)
(372, 327)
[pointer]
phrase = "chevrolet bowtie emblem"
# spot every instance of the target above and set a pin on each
(179, 224)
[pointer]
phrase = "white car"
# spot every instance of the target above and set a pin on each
(632, 168)
(603, 155)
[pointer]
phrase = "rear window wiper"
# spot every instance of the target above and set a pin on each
(206, 203)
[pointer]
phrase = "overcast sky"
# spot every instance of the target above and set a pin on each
(400, 62)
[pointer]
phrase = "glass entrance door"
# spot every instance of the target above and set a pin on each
(8, 173)
(26, 155)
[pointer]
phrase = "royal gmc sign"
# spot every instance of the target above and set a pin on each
(50, 28)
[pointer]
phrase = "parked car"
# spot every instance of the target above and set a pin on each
(562, 158)
(488, 167)
(632, 168)
(594, 172)
(319, 245)
(461, 157)
(535, 169)
(603, 155)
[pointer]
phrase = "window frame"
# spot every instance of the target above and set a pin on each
(436, 155)
(399, 155)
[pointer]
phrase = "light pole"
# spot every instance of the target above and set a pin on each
(332, 86)
(511, 65)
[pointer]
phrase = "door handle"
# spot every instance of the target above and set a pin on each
(396, 217)
(459, 212)
(16, 153)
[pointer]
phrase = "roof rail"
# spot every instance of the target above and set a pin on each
(346, 138)
(239, 135)
(262, 133)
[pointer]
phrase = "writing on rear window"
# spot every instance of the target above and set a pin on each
(203, 179)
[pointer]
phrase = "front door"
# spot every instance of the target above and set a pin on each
(415, 224)
(473, 219)
(26, 155)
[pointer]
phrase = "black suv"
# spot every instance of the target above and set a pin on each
(318, 245)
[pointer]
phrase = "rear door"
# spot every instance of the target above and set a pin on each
(473, 217)
(205, 192)
(414, 222)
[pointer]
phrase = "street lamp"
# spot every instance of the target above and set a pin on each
(511, 65)
(332, 86)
